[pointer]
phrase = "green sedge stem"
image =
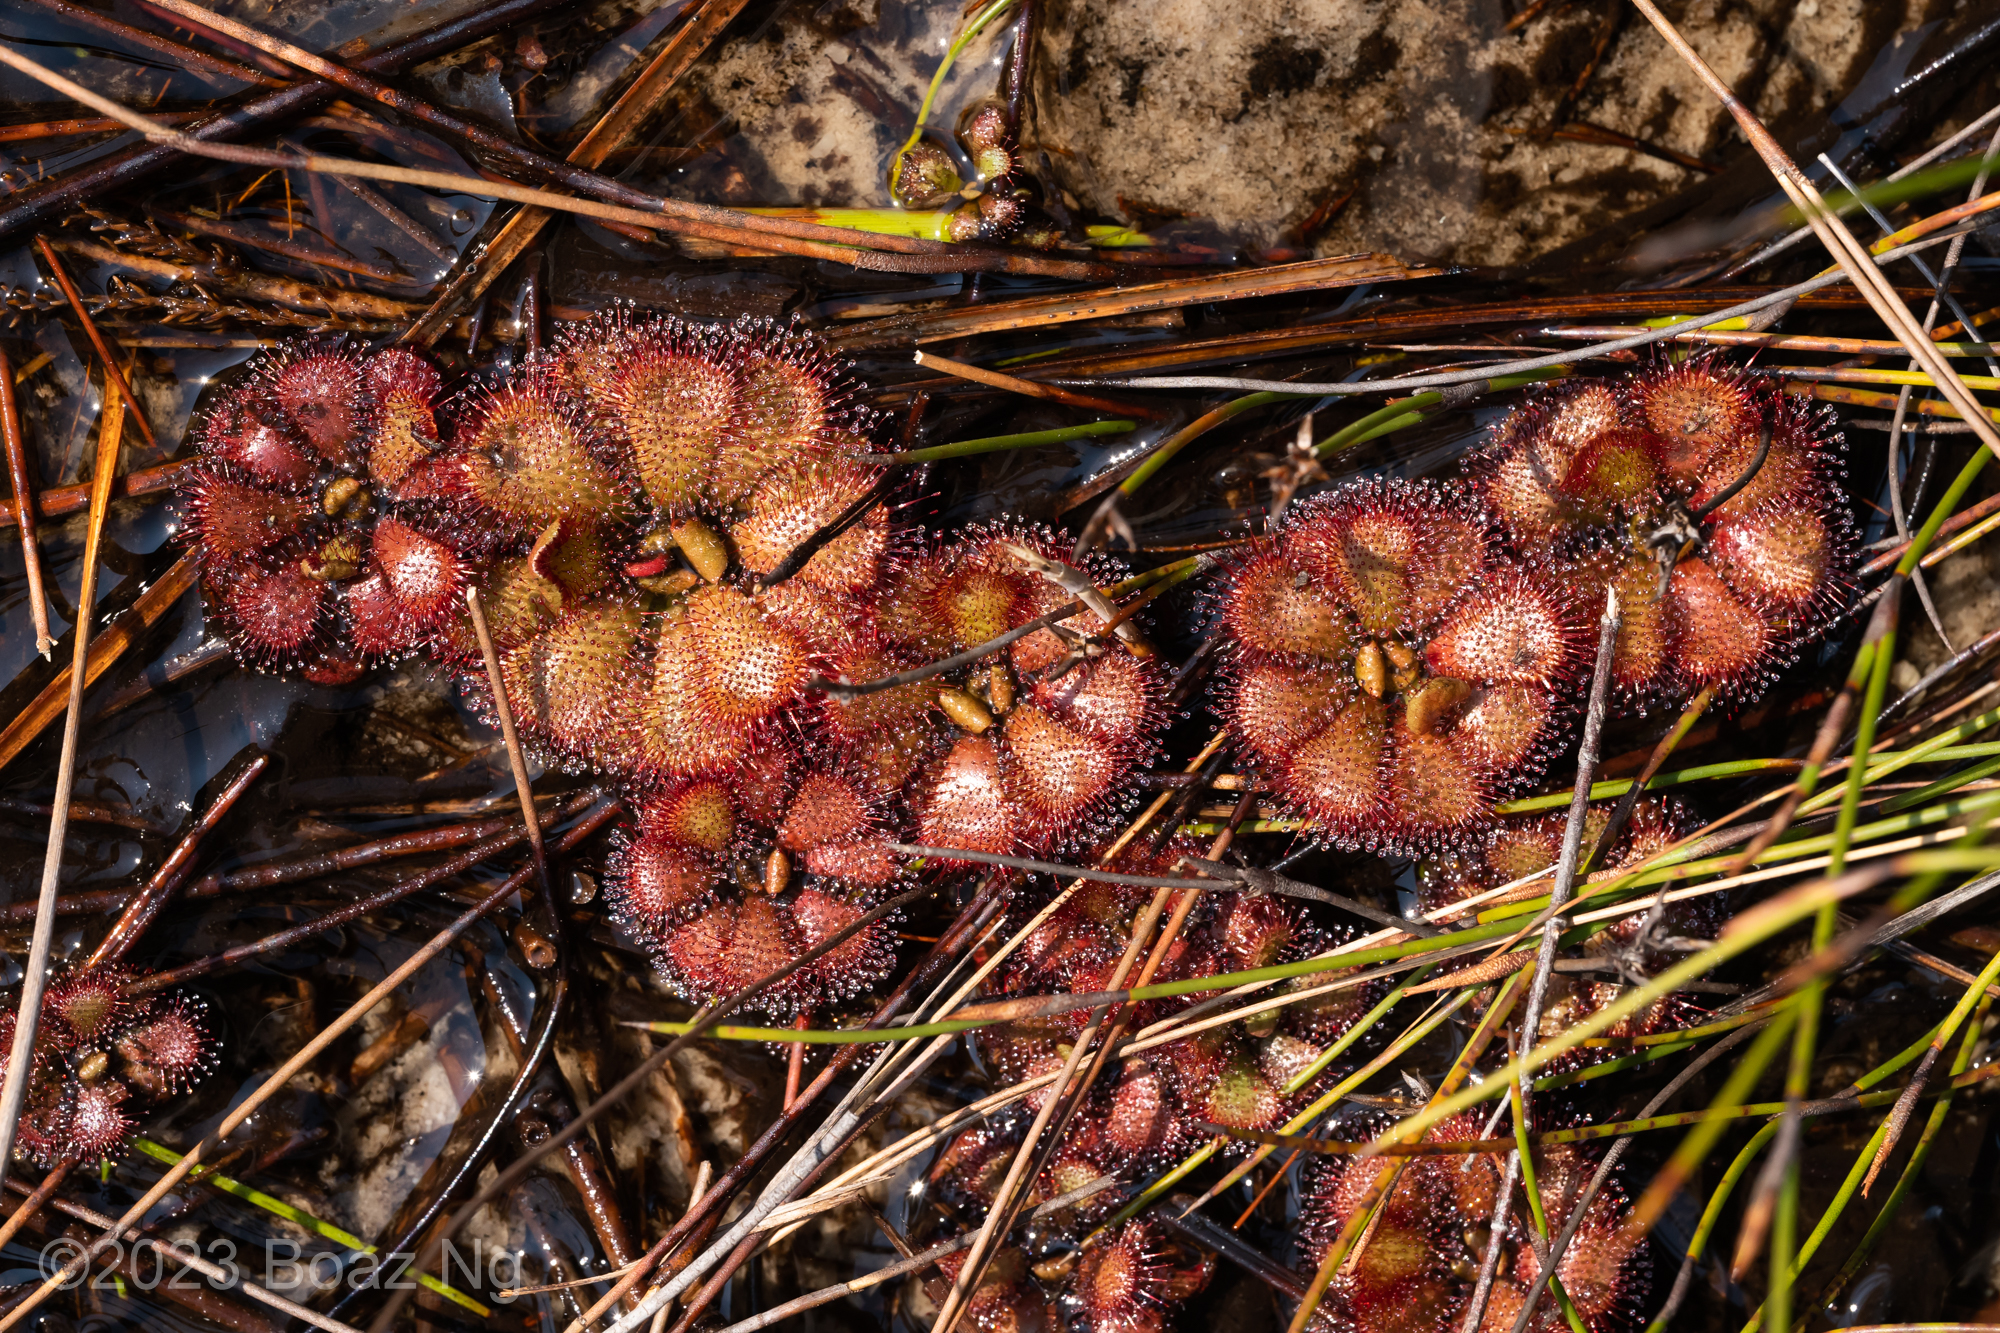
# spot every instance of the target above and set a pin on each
(996, 443)
(1946, 506)
(1601, 791)
(1724, 1188)
(1621, 889)
(1193, 431)
(1354, 1033)
(952, 52)
(1400, 413)
(1535, 1209)
(297, 1216)
(1166, 1182)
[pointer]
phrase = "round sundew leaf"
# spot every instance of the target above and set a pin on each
(424, 574)
(168, 1049)
(407, 388)
(785, 409)
(97, 1127)
(578, 677)
(1582, 415)
(1254, 931)
(679, 407)
(249, 431)
(1114, 698)
(1641, 658)
(1522, 495)
(1515, 627)
(1337, 772)
(866, 863)
(1058, 774)
(678, 730)
(572, 555)
(1394, 1256)
(1594, 1267)
(1794, 471)
(854, 964)
(235, 520)
(907, 612)
(1779, 555)
(1614, 471)
(1275, 707)
(274, 616)
(325, 396)
(1271, 607)
(733, 944)
(826, 809)
(658, 884)
(695, 814)
(1721, 640)
(1432, 787)
(828, 623)
(1141, 1119)
(962, 802)
(751, 666)
(978, 603)
(87, 1003)
(791, 504)
(1398, 554)
(526, 459)
(1694, 412)
(377, 622)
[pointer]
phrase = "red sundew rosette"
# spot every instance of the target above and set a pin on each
(318, 511)
(640, 638)
(1588, 473)
(1391, 672)
(727, 880)
(1155, 1104)
(1524, 845)
(1130, 1279)
(97, 1053)
(1042, 743)
(1416, 1273)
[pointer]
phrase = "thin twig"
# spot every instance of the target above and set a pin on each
(22, 478)
(708, 222)
(1579, 808)
(994, 379)
(173, 872)
(1445, 379)
(34, 980)
(516, 759)
(845, 690)
(112, 376)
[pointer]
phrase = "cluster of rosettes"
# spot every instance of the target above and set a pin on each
(1125, 1279)
(1708, 500)
(1634, 945)
(1394, 669)
(320, 512)
(97, 1050)
(635, 508)
(1404, 653)
(1162, 1102)
(1413, 1269)
(638, 635)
